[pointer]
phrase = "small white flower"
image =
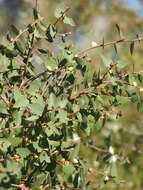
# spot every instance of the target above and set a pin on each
(141, 89)
(75, 160)
(113, 159)
(70, 68)
(106, 178)
(134, 83)
(96, 164)
(76, 137)
(111, 150)
(94, 44)
(63, 160)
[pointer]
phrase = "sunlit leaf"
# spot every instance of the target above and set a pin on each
(23, 152)
(106, 60)
(121, 64)
(59, 10)
(44, 157)
(69, 21)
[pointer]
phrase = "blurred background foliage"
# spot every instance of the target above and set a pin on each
(94, 20)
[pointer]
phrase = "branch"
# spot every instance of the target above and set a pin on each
(25, 30)
(93, 147)
(5, 72)
(5, 100)
(16, 127)
(78, 94)
(62, 16)
(23, 84)
(110, 44)
(21, 186)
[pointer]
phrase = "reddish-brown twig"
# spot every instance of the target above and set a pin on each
(62, 16)
(110, 44)
(25, 30)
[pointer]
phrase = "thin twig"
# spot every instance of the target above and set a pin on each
(93, 147)
(5, 100)
(25, 30)
(25, 83)
(5, 72)
(110, 44)
(62, 16)
(21, 186)
(36, 4)
(16, 127)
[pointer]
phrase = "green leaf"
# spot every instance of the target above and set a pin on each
(103, 43)
(51, 33)
(17, 117)
(43, 51)
(139, 105)
(75, 108)
(119, 31)
(121, 64)
(99, 124)
(62, 116)
(35, 14)
(19, 47)
(14, 30)
(122, 99)
(78, 60)
(30, 28)
(15, 141)
(13, 167)
(37, 147)
(39, 180)
(140, 78)
(51, 64)
(32, 118)
(10, 53)
(59, 10)
(115, 47)
(85, 166)
(68, 170)
(62, 103)
(138, 37)
(4, 144)
(52, 102)
(106, 60)
(20, 100)
(132, 48)
(135, 97)
(113, 169)
(8, 38)
(131, 78)
(23, 152)
(69, 21)
(34, 86)
(44, 157)
(42, 25)
(65, 145)
(37, 108)
(54, 143)
(3, 108)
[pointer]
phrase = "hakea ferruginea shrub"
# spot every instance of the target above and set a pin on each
(47, 119)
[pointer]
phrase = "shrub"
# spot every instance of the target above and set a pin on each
(49, 117)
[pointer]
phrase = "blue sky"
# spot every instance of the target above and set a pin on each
(135, 4)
